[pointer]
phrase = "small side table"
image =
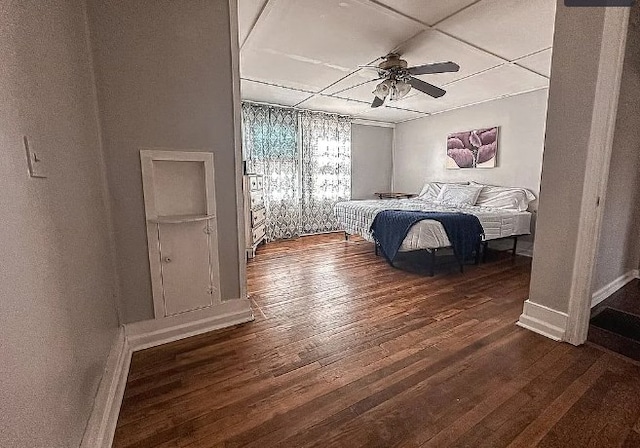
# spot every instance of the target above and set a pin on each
(392, 195)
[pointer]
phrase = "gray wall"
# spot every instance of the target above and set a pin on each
(420, 152)
(164, 80)
(371, 165)
(619, 250)
(569, 120)
(57, 288)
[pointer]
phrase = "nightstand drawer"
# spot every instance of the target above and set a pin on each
(255, 183)
(257, 216)
(256, 199)
(258, 233)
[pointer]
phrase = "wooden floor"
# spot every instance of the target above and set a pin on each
(619, 336)
(346, 351)
(625, 299)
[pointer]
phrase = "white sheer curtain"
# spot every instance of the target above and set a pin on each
(305, 158)
(326, 169)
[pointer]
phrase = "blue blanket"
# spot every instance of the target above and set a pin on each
(390, 227)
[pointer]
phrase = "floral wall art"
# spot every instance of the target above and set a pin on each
(472, 149)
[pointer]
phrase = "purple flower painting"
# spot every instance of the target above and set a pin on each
(472, 149)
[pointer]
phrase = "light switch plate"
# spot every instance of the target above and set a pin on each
(35, 163)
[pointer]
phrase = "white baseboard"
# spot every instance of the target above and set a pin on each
(102, 422)
(139, 336)
(525, 248)
(153, 332)
(543, 320)
(609, 289)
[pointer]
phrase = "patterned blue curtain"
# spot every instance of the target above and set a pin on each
(270, 147)
(305, 158)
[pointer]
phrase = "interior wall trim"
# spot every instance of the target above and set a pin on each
(607, 290)
(154, 332)
(543, 320)
(136, 336)
(380, 124)
(104, 416)
(237, 142)
(603, 121)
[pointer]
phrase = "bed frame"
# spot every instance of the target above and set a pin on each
(481, 252)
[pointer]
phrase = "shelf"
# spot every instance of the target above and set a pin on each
(180, 219)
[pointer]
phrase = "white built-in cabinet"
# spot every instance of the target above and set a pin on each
(180, 209)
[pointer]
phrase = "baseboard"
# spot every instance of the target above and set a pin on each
(139, 336)
(102, 422)
(543, 320)
(525, 248)
(609, 289)
(153, 332)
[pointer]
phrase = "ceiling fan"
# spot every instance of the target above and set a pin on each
(398, 79)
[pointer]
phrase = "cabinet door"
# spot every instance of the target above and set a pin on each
(185, 266)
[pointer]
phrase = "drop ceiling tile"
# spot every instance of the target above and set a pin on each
(334, 105)
(284, 70)
(264, 93)
(539, 62)
(342, 33)
(434, 46)
(361, 90)
(429, 46)
(422, 103)
(427, 11)
(308, 45)
(248, 11)
(508, 28)
(499, 81)
(389, 114)
(354, 79)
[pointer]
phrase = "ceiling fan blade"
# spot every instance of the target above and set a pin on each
(377, 102)
(425, 87)
(439, 67)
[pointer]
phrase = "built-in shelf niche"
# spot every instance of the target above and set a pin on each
(182, 236)
(179, 188)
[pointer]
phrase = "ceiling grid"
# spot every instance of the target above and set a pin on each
(307, 53)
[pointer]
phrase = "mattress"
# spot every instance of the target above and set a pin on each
(356, 217)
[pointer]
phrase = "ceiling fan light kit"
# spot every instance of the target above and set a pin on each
(398, 78)
(382, 89)
(399, 91)
(394, 89)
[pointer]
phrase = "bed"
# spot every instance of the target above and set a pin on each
(502, 212)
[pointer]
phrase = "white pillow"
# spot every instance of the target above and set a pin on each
(431, 190)
(507, 198)
(459, 195)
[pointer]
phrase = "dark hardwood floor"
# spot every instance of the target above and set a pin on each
(346, 351)
(615, 322)
(625, 299)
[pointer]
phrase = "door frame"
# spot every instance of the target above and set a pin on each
(239, 164)
(610, 67)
